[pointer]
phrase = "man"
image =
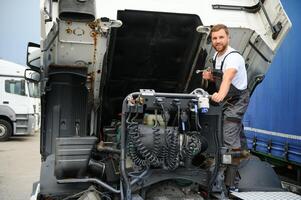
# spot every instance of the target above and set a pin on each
(232, 86)
(231, 83)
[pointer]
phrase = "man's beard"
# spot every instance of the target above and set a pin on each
(224, 47)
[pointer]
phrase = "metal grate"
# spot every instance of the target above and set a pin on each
(266, 195)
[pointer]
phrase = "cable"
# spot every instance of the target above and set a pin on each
(172, 157)
(148, 156)
(133, 130)
(165, 115)
(197, 121)
(137, 178)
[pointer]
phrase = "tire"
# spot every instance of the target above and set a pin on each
(5, 130)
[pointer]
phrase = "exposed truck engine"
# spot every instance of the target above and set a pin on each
(124, 113)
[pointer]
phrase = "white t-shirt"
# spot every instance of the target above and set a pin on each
(236, 61)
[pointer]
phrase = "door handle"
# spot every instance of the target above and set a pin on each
(5, 102)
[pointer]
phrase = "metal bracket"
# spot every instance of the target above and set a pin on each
(49, 14)
(269, 146)
(254, 144)
(249, 9)
(147, 92)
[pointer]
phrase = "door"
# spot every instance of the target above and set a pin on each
(15, 96)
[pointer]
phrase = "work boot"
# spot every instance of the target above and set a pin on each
(232, 177)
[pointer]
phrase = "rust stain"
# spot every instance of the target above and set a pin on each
(94, 34)
(69, 30)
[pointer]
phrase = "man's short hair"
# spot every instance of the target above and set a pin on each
(218, 27)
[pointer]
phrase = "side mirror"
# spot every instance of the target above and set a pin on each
(32, 75)
(33, 56)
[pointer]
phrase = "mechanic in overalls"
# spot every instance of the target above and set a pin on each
(231, 83)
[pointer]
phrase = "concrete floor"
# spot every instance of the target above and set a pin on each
(19, 167)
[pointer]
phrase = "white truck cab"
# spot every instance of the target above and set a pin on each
(19, 102)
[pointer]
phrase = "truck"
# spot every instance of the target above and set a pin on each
(19, 102)
(124, 114)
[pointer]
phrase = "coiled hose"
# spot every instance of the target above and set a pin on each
(157, 136)
(148, 155)
(157, 140)
(132, 128)
(173, 156)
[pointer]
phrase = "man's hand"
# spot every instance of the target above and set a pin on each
(207, 75)
(217, 97)
(225, 85)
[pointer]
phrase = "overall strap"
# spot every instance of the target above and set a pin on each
(222, 64)
(214, 60)
(226, 57)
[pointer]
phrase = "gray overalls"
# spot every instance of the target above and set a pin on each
(235, 106)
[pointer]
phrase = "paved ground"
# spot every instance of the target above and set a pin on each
(19, 167)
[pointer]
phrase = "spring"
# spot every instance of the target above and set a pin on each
(164, 154)
(147, 154)
(141, 148)
(135, 158)
(157, 142)
(133, 128)
(173, 156)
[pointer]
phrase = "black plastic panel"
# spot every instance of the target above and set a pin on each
(64, 112)
(49, 185)
(72, 156)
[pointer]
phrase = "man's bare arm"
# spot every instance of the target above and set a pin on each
(225, 85)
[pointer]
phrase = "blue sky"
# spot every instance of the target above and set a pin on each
(20, 23)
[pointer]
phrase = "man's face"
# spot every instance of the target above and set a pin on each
(220, 40)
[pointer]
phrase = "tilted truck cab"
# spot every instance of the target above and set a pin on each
(123, 115)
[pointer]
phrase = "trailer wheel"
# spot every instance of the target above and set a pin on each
(5, 130)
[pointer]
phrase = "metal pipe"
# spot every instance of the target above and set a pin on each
(87, 180)
(176, 95)
(108, 149)
(139, 177)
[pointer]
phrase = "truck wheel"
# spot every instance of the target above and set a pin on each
(5, 130)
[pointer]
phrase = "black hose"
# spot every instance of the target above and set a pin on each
(197, 121)
(157, 138)
(143, 150)
(132, 129)
(172, 157)
(157, 141)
